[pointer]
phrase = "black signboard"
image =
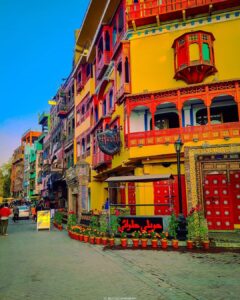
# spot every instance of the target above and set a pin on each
(132, 223)
(109, 141)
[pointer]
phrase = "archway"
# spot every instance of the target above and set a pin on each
(194, 113)
(166, 116)
(224, 110)
(139, 119)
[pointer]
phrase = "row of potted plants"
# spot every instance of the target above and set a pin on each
(98, 232)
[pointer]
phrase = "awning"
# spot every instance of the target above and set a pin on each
(144, 178)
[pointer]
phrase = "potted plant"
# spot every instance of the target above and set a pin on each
(164, 241)
(154, 238)
(72, 220)
(203, 230)
(197, 228)
(114, 225)
(144, 238)
(58, 217)
(136, 235)
(103, 221)
(123, 239)
(172, 229)
(98, 238)
(86, 235)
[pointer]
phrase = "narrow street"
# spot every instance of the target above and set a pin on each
(49, 265)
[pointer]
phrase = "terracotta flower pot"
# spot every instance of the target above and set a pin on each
(205, 244)
(164, 243)
(111, 242)
(154, 243)
(124, 243)
(144, 243)
(98, 240)
(175, 244)
(135, 243)
(104, 241)
(92, 240)
(75, 236)
(189, 244)
(85, 238)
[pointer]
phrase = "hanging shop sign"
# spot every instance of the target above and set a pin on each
(43, 219)
(109, 141)
(131, 224)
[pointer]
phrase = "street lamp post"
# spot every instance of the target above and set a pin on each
(178, 146)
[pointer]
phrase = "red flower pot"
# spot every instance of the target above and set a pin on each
(135, 243)
(81, 237)
(189, 244)
(98, 240)
(92, 240)
(124, 243)
(164, 244)
(85, 238)
(175, 244)
(144, 243)
(104, 241)
(154, 243)
(111, 242)
(75, 236)
(205, 244)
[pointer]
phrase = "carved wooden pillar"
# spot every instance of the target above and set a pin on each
(179, 108)
(208, 104)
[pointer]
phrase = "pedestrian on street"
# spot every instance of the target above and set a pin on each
(15, 213)
(34, 213)
(5, 212)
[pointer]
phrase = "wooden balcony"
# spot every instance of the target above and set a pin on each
(101, 159)
(103, 63)
(188, 134)
(146, 12)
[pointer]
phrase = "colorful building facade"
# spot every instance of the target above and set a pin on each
(161, 70)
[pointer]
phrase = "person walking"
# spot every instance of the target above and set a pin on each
(34, 213)
(15, 213)
(5, 212)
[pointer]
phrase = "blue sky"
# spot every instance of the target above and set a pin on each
(36, 52)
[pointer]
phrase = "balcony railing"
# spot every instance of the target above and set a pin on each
(100, 159)
(188, 134)
(153, 8)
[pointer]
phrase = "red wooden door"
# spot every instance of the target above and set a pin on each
(132, 197)
(163, 195)
(218, 202)
(235, 188)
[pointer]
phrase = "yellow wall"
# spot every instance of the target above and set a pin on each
(152, 58)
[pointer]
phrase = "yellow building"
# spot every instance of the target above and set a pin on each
(149, 74)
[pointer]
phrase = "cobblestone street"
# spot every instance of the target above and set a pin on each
(49, 265)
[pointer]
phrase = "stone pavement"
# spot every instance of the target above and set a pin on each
(49, 265)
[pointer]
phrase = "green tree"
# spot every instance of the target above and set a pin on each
(5, 179)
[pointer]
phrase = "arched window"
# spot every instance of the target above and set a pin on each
(126, 70)
(111, 100)
(104, 107)
(107, 41)
(205, 52)
(119, 75)
(83, 146)
(114, 33)
(120, 21)
(194, 52)
(96, 114)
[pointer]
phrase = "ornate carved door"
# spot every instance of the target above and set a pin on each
(218, 202)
